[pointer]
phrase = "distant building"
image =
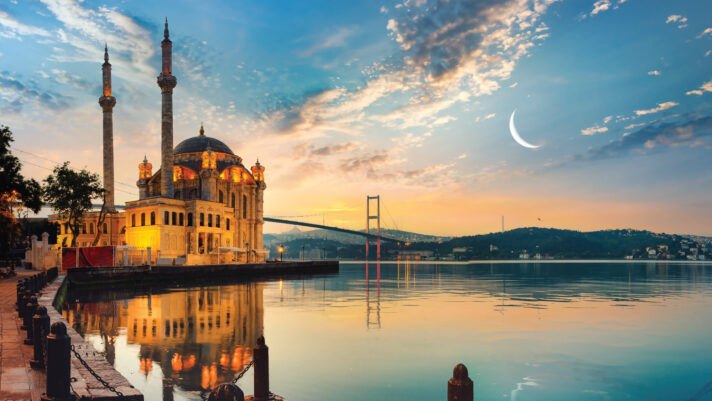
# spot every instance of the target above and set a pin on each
(415, 255)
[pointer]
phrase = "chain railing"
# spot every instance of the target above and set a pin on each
(239, 376)
(96, 376)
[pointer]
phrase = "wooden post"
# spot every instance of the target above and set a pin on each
(260, 356)
(460, 387)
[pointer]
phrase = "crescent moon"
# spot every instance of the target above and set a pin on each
(515, 134)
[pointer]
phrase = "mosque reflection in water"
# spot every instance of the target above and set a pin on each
(200, 337)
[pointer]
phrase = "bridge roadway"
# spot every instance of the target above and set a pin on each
(303, 224)
(323, 227)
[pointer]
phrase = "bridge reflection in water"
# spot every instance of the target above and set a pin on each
(197, 337)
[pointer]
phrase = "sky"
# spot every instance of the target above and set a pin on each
(408, 100)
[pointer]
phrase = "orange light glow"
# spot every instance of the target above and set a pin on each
(205, 378)
(145, 170)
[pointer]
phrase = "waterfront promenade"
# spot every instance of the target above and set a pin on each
(17, 380)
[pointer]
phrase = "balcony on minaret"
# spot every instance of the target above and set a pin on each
(145, 169)
(258, 172)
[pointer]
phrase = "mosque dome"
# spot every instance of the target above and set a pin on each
(200, 143)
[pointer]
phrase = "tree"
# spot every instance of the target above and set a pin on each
(70, 192)
(18, 196)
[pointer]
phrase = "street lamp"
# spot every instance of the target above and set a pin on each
(302, 253)
(247, 252)
(281, 251)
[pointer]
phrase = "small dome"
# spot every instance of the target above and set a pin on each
(200, 144)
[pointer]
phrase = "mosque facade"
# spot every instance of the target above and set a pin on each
(206, 208)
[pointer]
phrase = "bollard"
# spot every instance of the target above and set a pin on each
(40, 329)
(20, 289)
(23, 307)
(260, 356)
(226, 392)
(58, 364)
(460, 387)
(29, 314)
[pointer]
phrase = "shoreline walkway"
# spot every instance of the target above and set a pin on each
(18, 381)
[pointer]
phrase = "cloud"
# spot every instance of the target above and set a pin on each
(462, 156)
(14, 27)
(632, 126)
(706, 32)
(596, 129)
(661, 107)
(599, 6)
(449, 52)
(14, 95)
(690, 133)
(384, 9)
(487, 117)
(63, 77)
(706, 87)
(677, 19)
(654, 72)
(333, 149)
(336, 39)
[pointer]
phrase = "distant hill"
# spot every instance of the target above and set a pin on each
(404, 236)
(519, 243)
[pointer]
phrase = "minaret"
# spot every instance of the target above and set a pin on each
(166, 81)
(107, 103)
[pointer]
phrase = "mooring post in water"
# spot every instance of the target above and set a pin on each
(29, 314)
(40, 329)
(460, 386)
(58, 364)
(260, 356)
(226, 392)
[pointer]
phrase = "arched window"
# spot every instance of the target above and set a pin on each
(232, 200)
(153, 218)
(220, 196)
(166, 218)
(210, 220)
(244, 206)
(227, 224)
(143, 219)
(91, 228)
(180, 219)
(190, 219)
(84, 228)
(202, 219)
(174, 218)
(217, 220)
(104, 229)
(133, 220)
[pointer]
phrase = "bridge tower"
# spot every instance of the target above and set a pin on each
(376, 217)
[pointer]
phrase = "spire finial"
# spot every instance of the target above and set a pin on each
(145, 160)
(106, 52)
(202, 131)
(165, 30)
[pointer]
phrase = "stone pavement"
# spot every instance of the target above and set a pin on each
(17, 380)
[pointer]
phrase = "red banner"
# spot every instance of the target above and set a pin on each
(94, 256)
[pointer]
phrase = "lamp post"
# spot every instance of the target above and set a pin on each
(281, 252)
(302, 253)
(247, 252)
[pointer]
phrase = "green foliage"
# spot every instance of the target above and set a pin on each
(70, 193)
(17, 195)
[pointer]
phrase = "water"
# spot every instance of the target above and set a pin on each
(526, 331)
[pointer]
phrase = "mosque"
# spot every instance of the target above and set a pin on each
(206, 208)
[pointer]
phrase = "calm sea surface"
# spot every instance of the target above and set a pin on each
(526, 331)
